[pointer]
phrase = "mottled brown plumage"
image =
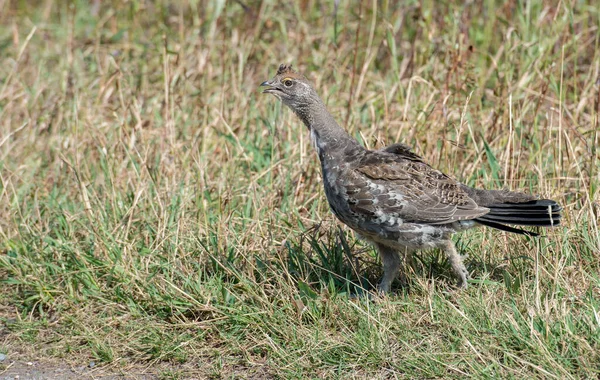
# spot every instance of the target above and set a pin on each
(392, 197)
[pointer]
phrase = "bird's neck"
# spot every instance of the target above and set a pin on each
(326, 134)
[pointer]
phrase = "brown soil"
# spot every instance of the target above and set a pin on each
(43, 370)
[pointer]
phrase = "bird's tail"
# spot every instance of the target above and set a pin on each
(539, 213)
(511, 207)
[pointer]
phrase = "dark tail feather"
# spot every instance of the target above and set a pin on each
(539, 213)
(507, 228)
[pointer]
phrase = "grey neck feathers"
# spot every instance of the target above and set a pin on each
(326, 133)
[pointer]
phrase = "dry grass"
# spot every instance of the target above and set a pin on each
(156, 208)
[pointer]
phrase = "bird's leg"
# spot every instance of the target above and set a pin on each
(456, 262)
(392, 263)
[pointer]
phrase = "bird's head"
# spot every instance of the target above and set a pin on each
(291, 87)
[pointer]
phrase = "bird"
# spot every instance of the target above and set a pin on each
(392, 198)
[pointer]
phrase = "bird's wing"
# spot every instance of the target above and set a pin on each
(406, 188)
(402, 150)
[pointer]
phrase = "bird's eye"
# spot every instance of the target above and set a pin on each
(288, 82)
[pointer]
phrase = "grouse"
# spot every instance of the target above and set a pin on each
(395, 200)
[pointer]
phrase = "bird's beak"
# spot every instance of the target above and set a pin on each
(269, 86)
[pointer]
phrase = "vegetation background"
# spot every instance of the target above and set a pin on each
(158, 214)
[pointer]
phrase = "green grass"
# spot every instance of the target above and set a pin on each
(157, 210)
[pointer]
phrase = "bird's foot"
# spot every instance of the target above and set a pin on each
(384, 287)
(463, 277)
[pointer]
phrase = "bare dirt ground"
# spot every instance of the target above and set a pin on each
(61, 369)
(42, 370)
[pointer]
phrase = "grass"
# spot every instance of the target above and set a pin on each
(158, 211)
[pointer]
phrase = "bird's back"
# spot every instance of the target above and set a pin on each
(395, 196)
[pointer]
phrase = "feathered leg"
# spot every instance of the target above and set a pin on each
(392, 261)
(456, 262)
